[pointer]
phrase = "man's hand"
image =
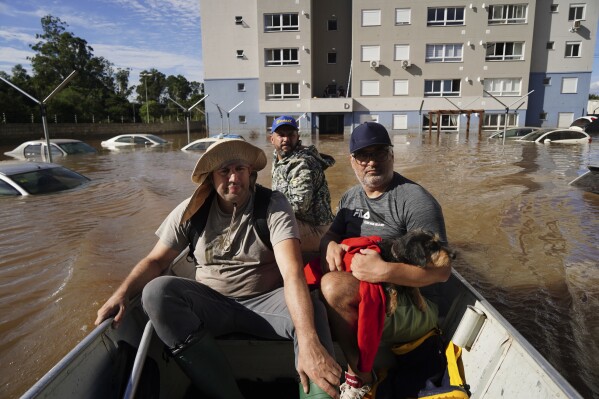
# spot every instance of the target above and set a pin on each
(369, 266)
(316, 365)
(334, 256)
(114, 306)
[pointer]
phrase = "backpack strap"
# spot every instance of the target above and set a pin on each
(199, 219)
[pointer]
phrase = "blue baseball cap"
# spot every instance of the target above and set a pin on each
(283, 120)
(367, 134)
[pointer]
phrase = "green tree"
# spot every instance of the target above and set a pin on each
(14, 106)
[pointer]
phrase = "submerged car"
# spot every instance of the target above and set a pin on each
(561, 136)
(513, 133)
(589, 181)
(582, 122)
(126, 140)
(30, 178)
(59, 147)
(203, 144)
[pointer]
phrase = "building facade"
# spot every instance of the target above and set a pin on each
(408, 64)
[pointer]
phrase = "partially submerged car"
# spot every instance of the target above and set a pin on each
(38, 149)
(561, 136)
(513, 133)
(30, 178)
(203, 144)
(589, 181)
(128, 140)
(582, 122)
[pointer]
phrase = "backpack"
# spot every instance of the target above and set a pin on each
(198, 220)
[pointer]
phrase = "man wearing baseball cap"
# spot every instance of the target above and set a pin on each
(241, 283)
(388, 205)
(298, 172)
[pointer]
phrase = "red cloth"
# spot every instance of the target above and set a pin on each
(371, 310)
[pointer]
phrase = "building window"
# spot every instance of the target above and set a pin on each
(550, 45)
(507, 14)
(572, 49)
(554, 7)
(402, 16)
(369, 87)
(282, 56)
(543, 116)
(240, 86)
(569, 85)
(371, 53)
(400, 122)
(242, 119)
(371, 17)
(282, 91)
(445, 16)
(497, 121)
(444, 52)
(442, 88)
(281, 22)
(400, 87)
(547, 81)
(332, 24)
(503, 86)
(576, 12)
(505, 51)
(402, 52)
(332, 58)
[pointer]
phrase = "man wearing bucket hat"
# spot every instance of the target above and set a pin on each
(298, 172)
(388, 205)
(241, 285)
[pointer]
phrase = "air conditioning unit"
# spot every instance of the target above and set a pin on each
(374, 64)
(240, 54)
(405, 64)
(238, 20)
(575, 26)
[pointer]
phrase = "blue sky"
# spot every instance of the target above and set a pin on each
(136, 34)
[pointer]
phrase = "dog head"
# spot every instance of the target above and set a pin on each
(418, 247)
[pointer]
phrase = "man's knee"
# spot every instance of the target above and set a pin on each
(339, 288)
(154, 293)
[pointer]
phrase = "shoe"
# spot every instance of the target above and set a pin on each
(349, 392)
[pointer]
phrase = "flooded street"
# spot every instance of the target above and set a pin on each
(526, 240)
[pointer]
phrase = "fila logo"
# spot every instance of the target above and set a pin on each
(362, 214)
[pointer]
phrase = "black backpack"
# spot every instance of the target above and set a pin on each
(198, 220)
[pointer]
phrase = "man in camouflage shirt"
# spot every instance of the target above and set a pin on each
(298, 172)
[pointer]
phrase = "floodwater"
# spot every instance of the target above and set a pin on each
(526, 239)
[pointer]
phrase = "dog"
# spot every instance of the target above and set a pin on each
(419, 248)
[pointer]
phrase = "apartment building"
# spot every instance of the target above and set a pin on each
(407, 64)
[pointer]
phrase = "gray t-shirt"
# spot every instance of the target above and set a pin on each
(235, 263)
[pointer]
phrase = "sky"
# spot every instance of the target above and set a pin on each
(136, 34)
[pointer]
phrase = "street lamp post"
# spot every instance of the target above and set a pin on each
(145, 75)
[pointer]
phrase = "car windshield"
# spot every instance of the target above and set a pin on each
(200, 146)
(533, 136)
(77, 148)
(157, 139)
(48, 180)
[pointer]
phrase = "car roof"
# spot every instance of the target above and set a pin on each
(52, 141)
(9, 168)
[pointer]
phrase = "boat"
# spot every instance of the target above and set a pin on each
(497, 360)
(588, 181)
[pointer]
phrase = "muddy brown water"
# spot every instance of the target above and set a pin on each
(526, 239)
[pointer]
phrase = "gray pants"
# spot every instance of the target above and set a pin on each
(179, 307)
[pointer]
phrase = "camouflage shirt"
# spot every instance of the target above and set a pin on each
(300, 177)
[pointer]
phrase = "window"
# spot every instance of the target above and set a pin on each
(507, 14)
(402, 16)
(572, 49)
(444, 52)
(543, 116)
(554, 8)
(569, 85)
(445, 16)
(281, 22)
(282, 56)
(282, 91)
(442, 88)
(547, 81)
(550, 45)
(371, 53)
(576, 12)
(497, 121)
(240, 86)
(505, 51)
(371, 17)
(400, 87)
(332, 58)
(332, 24)
(400, 122)
(503, 86)
(402, 52)
(242, 119)
(369, 87)
(564, 119)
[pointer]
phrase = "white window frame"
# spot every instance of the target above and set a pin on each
(400, 122)
(446, 19)
(554, 8)
(369, 88)
(275, 57)
(400, 87)
(503, 87)
(576, 8)
(240, 86)
(569, 85)
(442, 87)
(370, 53)
(565, 119)
(371, 17)
(403, 16)
(444, 52)
(401, 52)
(572, 47)
(493, 121)
(505, 51)
(282, 91)
(508, 14)
(282, 22)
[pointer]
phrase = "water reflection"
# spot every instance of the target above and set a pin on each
(527, 240)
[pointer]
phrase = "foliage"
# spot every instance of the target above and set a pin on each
(99, 91)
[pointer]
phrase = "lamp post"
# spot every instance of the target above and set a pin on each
(145, 75)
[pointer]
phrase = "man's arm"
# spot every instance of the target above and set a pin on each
(300, 188)
(150, 267)
(331, 252)
(314, 362)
